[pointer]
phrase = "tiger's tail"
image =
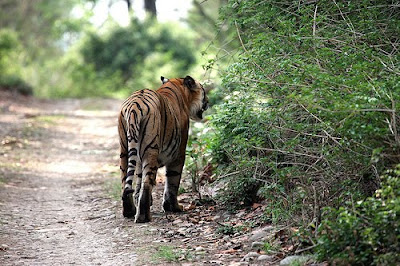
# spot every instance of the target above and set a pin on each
(123, 144)
(127, 190)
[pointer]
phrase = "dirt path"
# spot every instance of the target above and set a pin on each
(55, 159)
(59, 196)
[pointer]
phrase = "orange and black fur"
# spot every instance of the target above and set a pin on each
(153, 129)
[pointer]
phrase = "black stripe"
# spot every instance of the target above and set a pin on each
(132, 152)
(143, 130)
(135, 117)
(154, 147)
(148, 107)
(139, 107)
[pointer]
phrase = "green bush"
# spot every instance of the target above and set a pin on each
(140, 53)
(310, 114)
(10, 68)
(367, 232)
(117, 62)
(15, 84)
(238, 131)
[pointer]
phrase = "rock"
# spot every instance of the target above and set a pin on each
(216, 217)
(262, 233)
(226, 238)
(265, 258)
(169, 233)
(299, 260)
(257, 244)
(177, 221)
(251, 256)
(200, 248)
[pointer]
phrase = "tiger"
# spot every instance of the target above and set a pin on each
(153, 128)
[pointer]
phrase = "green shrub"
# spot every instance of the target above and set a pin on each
(238, 131)
(367, 232)
(310, 114)
(10, 68)
(16, 84)
(140, 53)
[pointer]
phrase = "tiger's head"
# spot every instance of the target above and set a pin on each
(197, 97)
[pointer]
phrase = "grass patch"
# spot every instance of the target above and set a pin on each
(270, 248)
(50, 120)
(170, 254)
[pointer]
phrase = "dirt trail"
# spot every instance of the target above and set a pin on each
(55, 159)
(59, 196)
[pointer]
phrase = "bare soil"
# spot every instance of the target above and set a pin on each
(59, 196)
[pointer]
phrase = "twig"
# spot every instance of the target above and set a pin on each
(349, 24)
(241, 42)
(315, 18)
(394, 123)
(287, 152)
(229, 174)
(305, 249)
(277, 83)
(332, 138)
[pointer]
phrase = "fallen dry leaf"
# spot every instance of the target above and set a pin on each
(256, 205)
(229, 251)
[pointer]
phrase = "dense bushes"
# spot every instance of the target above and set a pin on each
(139, 54)
(312, 117)
(10, 70)
(310, 120)
(366, 232)
(70, 57)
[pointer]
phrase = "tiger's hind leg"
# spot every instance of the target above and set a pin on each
(144, 195)
(170, 202)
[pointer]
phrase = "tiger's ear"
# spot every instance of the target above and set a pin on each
(189, 82)
(164, 80)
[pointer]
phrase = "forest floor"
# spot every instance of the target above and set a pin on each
(59, 198)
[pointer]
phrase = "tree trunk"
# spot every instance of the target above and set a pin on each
(150, 6)
(129, 3)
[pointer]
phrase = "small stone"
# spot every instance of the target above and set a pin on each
(261, 234)
(170, 233)
(290, 260)
(226, 238)
(217, 217)
(257, 244)
(200, 248)
(178, 221)
(251, 256)
(265, 258)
